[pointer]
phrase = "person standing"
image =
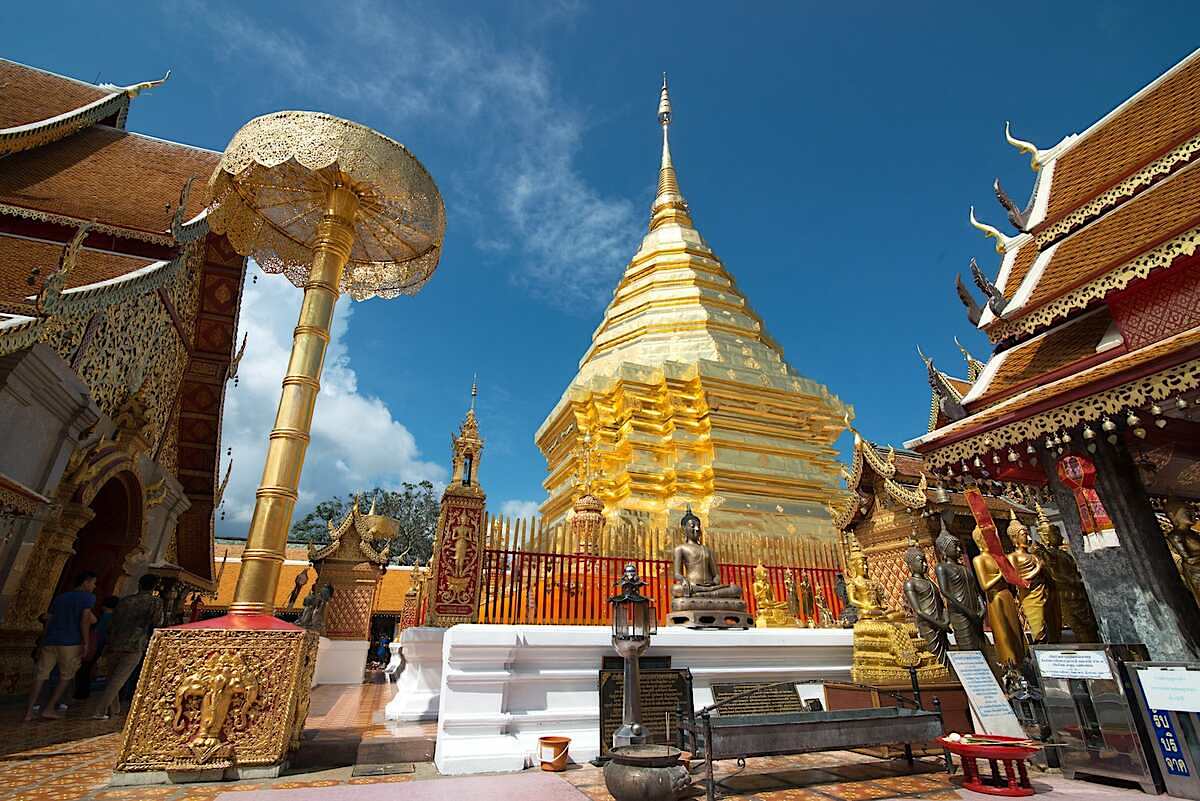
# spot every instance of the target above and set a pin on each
(128, 635)
(91, 657)
(68, 626)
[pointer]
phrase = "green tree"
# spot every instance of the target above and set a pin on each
(414, 505)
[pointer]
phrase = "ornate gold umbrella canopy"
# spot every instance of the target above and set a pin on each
(269, 193)
(336, 207)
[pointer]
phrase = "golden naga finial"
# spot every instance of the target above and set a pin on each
(50, 296)
(1024, 146)
(134, 89)
(1002, 241)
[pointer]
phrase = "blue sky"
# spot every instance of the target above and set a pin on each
(829, 152)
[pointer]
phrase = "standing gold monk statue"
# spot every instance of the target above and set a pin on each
(1001, 605)
(1184, 538)
(699, 599)
(1039, 600)
(1073, 601)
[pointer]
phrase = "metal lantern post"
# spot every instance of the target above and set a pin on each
(633, 622)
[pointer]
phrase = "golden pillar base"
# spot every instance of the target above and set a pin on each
(216, 698)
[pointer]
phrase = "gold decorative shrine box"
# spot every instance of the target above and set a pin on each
(219, 695)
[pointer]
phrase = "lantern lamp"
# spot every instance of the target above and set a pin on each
(634, 621)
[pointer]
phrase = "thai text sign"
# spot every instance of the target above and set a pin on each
(988, 702)
(1072, 664)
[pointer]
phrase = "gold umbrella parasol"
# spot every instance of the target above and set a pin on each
(336, 207)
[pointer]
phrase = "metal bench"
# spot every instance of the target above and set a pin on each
(709, 735)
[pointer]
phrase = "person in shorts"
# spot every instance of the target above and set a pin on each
(68, 626)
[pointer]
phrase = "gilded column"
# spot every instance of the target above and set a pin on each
(276, 497)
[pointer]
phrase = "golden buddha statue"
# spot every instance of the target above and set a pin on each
(769, 613)
(1184, 539)
(698, 598)
(1009, 639)
(1039, 600)
(1073, 602)
(886, 644)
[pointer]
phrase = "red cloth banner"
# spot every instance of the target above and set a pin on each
(983, 519)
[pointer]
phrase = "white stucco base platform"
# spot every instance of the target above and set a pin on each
(419, 682)
(502, 687)
(340, 661)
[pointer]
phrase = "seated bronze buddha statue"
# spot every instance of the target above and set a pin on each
(698, 594)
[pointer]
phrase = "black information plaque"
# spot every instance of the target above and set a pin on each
(780, 698)
(662, 693)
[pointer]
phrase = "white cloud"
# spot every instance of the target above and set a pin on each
(519, 509)
(515, 182)
(356, 443)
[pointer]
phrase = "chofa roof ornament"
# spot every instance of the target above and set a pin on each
(1035, 155)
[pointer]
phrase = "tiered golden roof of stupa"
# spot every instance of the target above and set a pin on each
(688, 400)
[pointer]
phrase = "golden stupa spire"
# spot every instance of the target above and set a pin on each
(669, 205)
(474, 390)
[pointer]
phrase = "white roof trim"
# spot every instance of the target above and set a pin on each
(985, 378)
(1032, 277)
(1041, 194)
(16, 130)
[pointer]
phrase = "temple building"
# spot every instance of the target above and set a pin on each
(686, 399)
(1091, 392)
(117, 318)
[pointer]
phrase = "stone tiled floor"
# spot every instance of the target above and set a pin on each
(71, 760)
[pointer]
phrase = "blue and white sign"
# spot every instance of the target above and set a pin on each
(1168, 743)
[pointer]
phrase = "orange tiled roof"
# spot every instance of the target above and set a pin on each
(1049, 353)
(1022, 264)
(31, 95)
(1165, 210)
(960, 385)
(18, 256)
(1164, 117)
(118, 178)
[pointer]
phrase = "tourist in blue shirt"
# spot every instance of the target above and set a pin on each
(68, 625)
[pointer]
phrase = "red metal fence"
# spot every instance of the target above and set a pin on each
(573, 589)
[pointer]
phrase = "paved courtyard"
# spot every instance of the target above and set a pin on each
(71, 759)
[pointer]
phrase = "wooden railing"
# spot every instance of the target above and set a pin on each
(535, 575)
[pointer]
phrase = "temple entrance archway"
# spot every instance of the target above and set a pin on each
(105, 541)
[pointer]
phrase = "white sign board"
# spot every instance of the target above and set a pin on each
(988, 702)
(1176, 689)
(1055, 664)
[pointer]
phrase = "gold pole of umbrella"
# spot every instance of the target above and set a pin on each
(336, 207)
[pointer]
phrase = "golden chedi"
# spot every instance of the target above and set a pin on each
(690, 401)
(768, 612)
(886, 644)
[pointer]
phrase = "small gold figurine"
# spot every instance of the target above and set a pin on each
(1073, 600)
(825, 619)
(769, 612)
(1001, 605)
(1039, 600)
(808, 608)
